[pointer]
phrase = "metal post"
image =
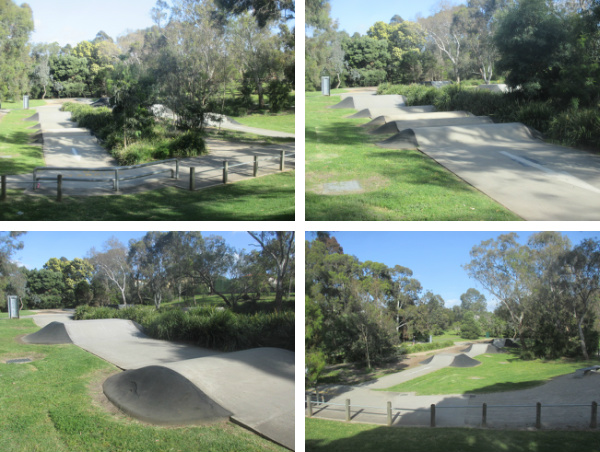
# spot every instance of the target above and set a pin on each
(347, 410)
(3, 194)
(594, 422)
(389, 414)
(282, 161)
(484, 416)
(309, 405)
(192, 178)
(116, 179)
(433, 414)
(225, 171)
(59, 188)
(255, 173)
(538, 415)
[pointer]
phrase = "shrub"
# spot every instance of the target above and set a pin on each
(188, 144)
(576, 127)
(278, 93)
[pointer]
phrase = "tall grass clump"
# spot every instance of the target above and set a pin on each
(415, 94)
(576, 126)
(99, 120)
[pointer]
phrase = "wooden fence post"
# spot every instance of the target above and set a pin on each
(192, 178)
(309, 405)
(225, 171)
(538, 415)
(116, 180)
(3, 189)
(484, 415)
(432, 415)
(347, 410)
(255, 172)
(594, 421)
(282, 161)
(59, 188)
(389, 414)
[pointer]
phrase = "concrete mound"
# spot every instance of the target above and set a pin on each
(451, 360)
(53, 333)
(480, 349)
(407, 139)
(160, 395)
(368, 100)
(373, 112)
(35, 117)
(399, 125)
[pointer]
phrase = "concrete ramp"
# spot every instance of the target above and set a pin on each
(255, 387)
(53, 333)
(369, 100)
(509, 163)
(374, 112)
(450, 360)
(381, 120)
(480, 349)
(398, 126)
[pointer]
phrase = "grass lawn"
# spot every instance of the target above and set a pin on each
(19, 105)
(4, 315)
(497, 372)
(399, 185)
(18, 154)
(332, 436)
(282, 122)
(261, 199)
(53, 405)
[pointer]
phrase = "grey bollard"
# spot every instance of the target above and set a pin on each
(484, 415)
(432, 422)
(389, 414)
(594, 421)
(59, 188)
(538, 415)
(3, 189)
(225, 171)
(348, 410)
(255, 172)
(116, 180)
(309, 405)
(192, 178)
(282, 161)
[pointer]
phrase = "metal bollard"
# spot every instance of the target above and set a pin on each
(309, 405)
(59, 188)
(225, 171)
(255, 172)
(594, 421)
(282, 161)
(3, 193)
(192, 178)
(538, 415)
(347, 410)
(432, 422)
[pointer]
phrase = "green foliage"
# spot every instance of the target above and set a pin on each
(407, 348)
(469, 327)
(213, 328)
(188, 144)
(278, 93)
(98, 119)
(576, 127)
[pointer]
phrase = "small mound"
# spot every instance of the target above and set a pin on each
(389, 127)
(463, 360)
(402, 140)
(37, 138)
(451, 360)
(162, 396)
(364, 113)
(377, 122)
(37, 126)
(35, 118)
(347, 102)
(53, 333)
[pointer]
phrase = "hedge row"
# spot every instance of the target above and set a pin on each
(206, 327)
(569, 126)
(406, 348)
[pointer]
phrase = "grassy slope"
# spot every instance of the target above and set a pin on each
(15, 141)
(400, 185)
(261, 199)
(497, 372)
(46, 406)
(331, 436)
(282, 122)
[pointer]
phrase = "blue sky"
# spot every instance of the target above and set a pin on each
(434, 257)
(41, 246)
(73, 21)
(359, 15)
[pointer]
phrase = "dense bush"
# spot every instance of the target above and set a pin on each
(407, 348)
(98, 120)
(278, 93)
(206, 327)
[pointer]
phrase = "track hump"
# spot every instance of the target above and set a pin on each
(53, 333)
(399, 125)
(451, 360)
(160, 395)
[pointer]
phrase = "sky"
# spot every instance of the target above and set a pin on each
(40, 246)
(436, 258)
(359, 15)
(73, 21)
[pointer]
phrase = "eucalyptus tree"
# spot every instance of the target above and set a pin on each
(113, 264)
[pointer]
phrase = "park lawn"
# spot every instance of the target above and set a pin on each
(50, 405)
(399, 185)
(498, 372)
(18, 153)
(33, 103)
(4, 315)
(282, 122)
(267, 198)
(333, 436)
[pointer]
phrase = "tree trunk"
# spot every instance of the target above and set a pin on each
(582, 339)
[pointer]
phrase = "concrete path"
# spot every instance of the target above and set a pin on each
(256, 387)
(534, 179)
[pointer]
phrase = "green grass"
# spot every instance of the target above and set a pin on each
(332, 436)
(497, 372)
(399, 185)
(4, 315)
(282, 122)
(261, 199)
(47, 406)
(33, 103)
(18, 154)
